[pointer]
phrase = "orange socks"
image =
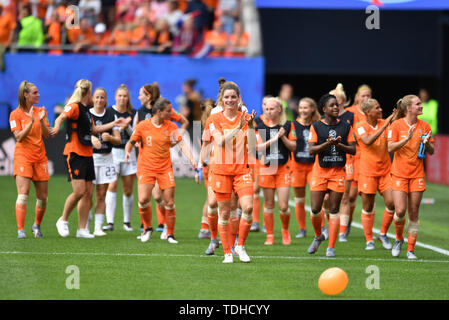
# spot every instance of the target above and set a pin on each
(21, 211)
(223, 230)
(256, 208)
(386, 221)
(334, 226)
(300, 212)
(368, 223)
(245, 224)
(160, 212)
(234, 223)
(41, 207)
(268, 218)
(170, 219)
(212, 218)
(399, 224)
(316, 222)
(145, 214)
(412, 231)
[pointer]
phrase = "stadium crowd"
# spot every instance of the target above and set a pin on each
(124, 26)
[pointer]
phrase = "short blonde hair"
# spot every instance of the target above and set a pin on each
(278, 101)
(368, 105)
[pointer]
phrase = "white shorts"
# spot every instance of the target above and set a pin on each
(105, 173)
(126, 168)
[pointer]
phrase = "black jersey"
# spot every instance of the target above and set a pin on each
(277, 153)
(144, 113)
(99, 120)
(332, 156)
(301, 153)
(83, 126)
(124, 135)
(348, 117)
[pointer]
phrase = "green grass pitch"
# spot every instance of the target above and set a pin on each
(118, 266)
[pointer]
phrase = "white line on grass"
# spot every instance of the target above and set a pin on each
(291, 203)
(204, 256)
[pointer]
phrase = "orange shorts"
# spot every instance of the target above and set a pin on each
(370, 185)
(36, 171)
(281, 178)
(334, 183)
(301, 174)
(165, 180)
(224, 185)
(408, 184)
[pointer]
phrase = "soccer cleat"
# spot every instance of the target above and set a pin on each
(411, 255)
(243, 256)
(342, 237)
(270, 240)
(370, 245)
(212, 246)
(171, 239)
(84, 233)
(233, 251)
(385, 241)
(286, 239)
(164, 233)
(36, 231)
(146, 235)
(325, 232)
(99, 233)
(228, 258)
(255, 227)
(301, 233)
(21, 234)
(127, 226)
(396, 251)
(204, 234)
(330, 252)
(315, 244)
(109, 227)
(63, 228)
(160, 228)
(141, 227)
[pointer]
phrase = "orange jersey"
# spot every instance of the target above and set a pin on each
(31, 148)
(358, 117)
(154, 154)
(232, 158)
(374, 159)
(74, 145)
(406, 163)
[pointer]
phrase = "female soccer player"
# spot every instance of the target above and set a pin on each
(78, 153)
(406, 137)
(363, 93)
(29, 125)
(122, 109)
(302, 163)
(148, 95)
(156, 135)
(232, 133)
(374, 170)
(103, 160)
(276, 140)
(330, 140)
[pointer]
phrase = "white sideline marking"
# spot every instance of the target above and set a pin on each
(291, 203)
(219, 256)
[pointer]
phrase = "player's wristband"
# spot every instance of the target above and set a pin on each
(199, 171)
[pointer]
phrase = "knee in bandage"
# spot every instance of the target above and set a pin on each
(160, 203)
(212, 211)
(247, 216)
(22, 199)
(413, 227)
(300, 200)
(144, 205)
(223, 222)
(334, 215)
(169, 207)
(285, 212)
(41, 203)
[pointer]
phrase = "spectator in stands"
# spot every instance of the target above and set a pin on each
(90, 9)
(229, 12)
(211, 6)
(159, 8)
(238, 41)
(108, 13)
(53, 32)
(121, 36)
(7, 27)
(102, 36)
(289, 103)
(126, 10)
(30, 30)
(217, 38)
(83, 37)
(199, 11)
(187, 39)
(164, 38)
(174, 17)
(145, 11)
(143, 35)
(38, 7)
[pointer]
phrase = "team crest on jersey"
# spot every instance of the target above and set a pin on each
(98, 123)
